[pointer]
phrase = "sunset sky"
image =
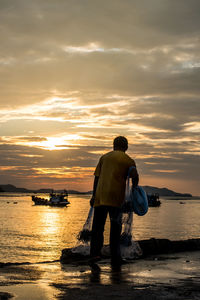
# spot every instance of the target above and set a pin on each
(77, 73)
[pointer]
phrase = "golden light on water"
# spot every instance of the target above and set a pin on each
(50, 222)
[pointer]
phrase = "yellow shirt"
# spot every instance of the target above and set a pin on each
(112, 171)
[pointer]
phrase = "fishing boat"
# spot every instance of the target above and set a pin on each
(55, 199)
(153, 200)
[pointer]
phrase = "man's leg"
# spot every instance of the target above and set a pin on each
(115, 214)
(99, 219)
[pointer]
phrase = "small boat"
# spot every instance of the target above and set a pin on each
(60, 199)
(153, 200)
(40, 201)
(55, 199)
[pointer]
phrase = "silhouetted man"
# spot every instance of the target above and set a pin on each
(108, 197)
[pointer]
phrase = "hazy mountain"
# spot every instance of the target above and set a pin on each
(164, 192)
(11, 188)
(148, 189)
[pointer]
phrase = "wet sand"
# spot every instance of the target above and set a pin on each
(174, 276)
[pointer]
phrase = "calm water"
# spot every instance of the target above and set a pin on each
(38, 233)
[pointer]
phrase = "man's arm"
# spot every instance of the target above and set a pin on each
(135, 176)
(96, 179)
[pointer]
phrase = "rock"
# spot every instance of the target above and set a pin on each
(5, 295)
(149, 247)
(161, 246)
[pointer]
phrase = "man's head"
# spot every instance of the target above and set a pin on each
(120, 143)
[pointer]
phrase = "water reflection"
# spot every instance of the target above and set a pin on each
(95, 274)
(115, 276)
(49, 222)
(36, 233)
(102, 274)
(27, 282)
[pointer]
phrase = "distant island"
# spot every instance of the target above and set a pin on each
(164, 192)
(9, 188)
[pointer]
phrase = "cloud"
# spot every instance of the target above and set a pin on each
(162, 132)
(124, 74)
(75, 74)
(133, 48)
(114, 22)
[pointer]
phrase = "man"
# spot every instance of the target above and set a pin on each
(108, 197)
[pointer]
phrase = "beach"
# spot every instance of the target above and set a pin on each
(171, 276)
(33, 238)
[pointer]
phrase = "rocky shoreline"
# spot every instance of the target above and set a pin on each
(149, 247)
(167, 270)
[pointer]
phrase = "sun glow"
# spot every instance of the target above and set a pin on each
(53, 143)
(62, 172)
(58, 143)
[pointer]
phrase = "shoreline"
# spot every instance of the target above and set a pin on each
(171, 276)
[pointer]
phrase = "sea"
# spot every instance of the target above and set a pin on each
(31, 233)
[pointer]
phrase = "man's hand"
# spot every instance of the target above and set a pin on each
(96, 179)
(92, 201)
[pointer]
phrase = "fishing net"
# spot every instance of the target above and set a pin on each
(130, 249)
(84, 235)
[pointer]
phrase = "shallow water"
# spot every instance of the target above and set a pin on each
(39, 233)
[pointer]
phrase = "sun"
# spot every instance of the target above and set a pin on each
(53, 143)
(58, 143)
